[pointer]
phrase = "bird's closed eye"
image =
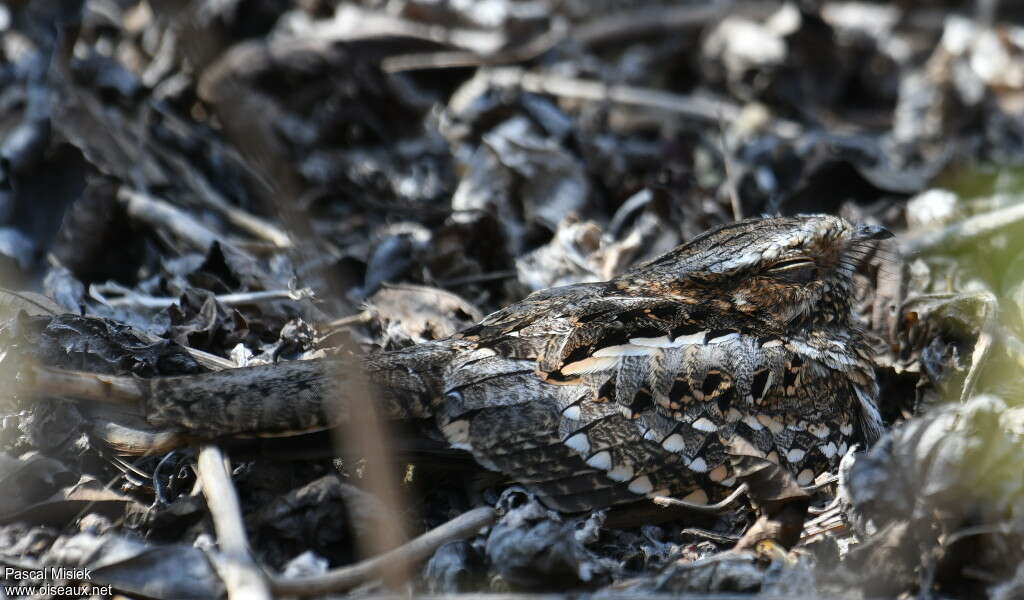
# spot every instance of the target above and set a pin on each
(795, 270)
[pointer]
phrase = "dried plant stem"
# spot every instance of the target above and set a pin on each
(408, 554)
(645, 23)
(963, 233)
(695, 107)
(615, 28)
(109, 389)
(130, 298)
(708, 508)
(160, 214)
(461, 58)
(242, 577)
(360, 318)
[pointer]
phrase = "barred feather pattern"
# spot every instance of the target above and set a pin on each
(604, 393)
(741, 342)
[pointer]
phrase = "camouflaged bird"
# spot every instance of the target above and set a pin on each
(741, 341)
(595, 394)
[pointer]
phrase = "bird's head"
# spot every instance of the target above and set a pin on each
(783, 271)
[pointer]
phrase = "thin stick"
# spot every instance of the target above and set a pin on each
(461, 58)
(645, 23)
(831, 505)
(159, 213)
(478, 278)
(810, 489)
(730, 183)
(357, 319)
(130, 298)
(408, 554)
(615, 28)
(210, 361)
(708, 508)
(695, 107)
(969, 231)
(250, 223)
(110, 389)
(361, 428)
(242, 577)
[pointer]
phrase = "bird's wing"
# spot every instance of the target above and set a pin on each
(598, 398)
(512, 421)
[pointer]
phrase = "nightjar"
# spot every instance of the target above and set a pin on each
(740, 341)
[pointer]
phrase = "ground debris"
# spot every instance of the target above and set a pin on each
(191, 187)
(939, 500)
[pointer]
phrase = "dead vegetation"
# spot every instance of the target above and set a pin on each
(187, 187)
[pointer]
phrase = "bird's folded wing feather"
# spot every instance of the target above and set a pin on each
(646, 402)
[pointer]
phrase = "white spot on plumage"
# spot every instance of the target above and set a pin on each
(641, 485)
(818, 430)
(741, 446)
(691, 338)
(772, 343)
(572, 412)
(729, 482)
(843, 448)
(704, 424)
(773, 424)
(650, 435)
(733, 415)
(752, 422)
(806, 477)
(829, 449)
(621, 473)
(698, 465)
(592, 364)
(624, 350)
(602, 460)
(457, 434)
(674, 443)
(579, 443)
(846, 429)
(652, 342)
(723, 338)
(795, 455)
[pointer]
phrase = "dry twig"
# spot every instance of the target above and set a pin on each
(128, 297)
(445, 60)
(161, 214)
(708, 508)
(695, 107)
(416, 550)
(242, 577)
(963, 233)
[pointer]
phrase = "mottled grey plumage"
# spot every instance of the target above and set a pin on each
(739, 342)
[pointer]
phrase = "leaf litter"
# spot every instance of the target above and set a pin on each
(191, 187)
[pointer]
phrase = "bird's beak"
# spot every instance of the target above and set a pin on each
(866, 233)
